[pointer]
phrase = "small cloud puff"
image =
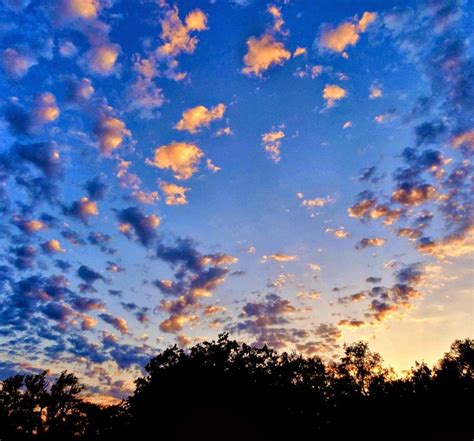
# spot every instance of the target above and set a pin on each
(333, 93)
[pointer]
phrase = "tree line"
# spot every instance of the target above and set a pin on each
(225, 390)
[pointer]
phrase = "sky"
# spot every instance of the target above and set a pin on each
(294, 173)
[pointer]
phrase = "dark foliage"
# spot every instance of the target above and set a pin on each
(225, 390)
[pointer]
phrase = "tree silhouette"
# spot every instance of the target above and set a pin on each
(227, 390)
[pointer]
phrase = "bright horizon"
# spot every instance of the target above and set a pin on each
(294, 173)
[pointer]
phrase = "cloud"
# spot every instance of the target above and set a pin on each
(408, 194)
(351, 323)
(271, 142)
(78, 9)
(44, 156)
(367, 242)
(339, 233)
(411, 233)
(83, 209)
(308, 295)
(262, 53)
(16, 64)
(346, 34)
(454, 245)
(52, 246)
(80, 90)
(110, 131)
(46, 108)
(375, 92)
(463, 139)
(258, 317)
(88, 323)
(214, 309)
(176, 36)
(89, 276)
(57, 311)
(354, 298)
(101, 60)
(197, 276)
(316, 202)
(367, 208)
(196, 117)
(175, 194)
(299, 51)
(29, 226)
(309, 71)
(67, 49)
(23, 257)
(134, 221)
(366, 20)
(385, 117)
(176, 322)
(279, 257)
(144, 96)
(117, 322)
(333, 93)
(96, 189)
(180, 157)
(226, 131)
(373, 279)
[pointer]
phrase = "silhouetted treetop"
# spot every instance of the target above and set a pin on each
(229, 390)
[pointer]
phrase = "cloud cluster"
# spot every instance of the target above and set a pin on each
(196, 277)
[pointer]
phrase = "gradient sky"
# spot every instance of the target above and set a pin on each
(295, 173)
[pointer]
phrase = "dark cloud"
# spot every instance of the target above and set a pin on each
(23, 257)
(429, 132)
(89, 276)
(96, 189)
(43, 155)
(373, 279)
(143, 226)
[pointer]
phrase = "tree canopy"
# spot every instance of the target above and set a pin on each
(228, 390)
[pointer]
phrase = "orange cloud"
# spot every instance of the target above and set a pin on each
(346, 34)
(262, 53)
(414, 195)
(101, 59)
(333, 93)
(340, 233)
(52, 246)
(463, 139)
(46, 108)
(199, 116)
(176, 35)
(180, 157)
(271, 142)
(175, 194)
(110, 132)
(456, 245)
(83, 9)
(375, 92)
(279, 257)
(176, 322)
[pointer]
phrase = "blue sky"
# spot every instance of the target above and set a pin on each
(294, 173)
